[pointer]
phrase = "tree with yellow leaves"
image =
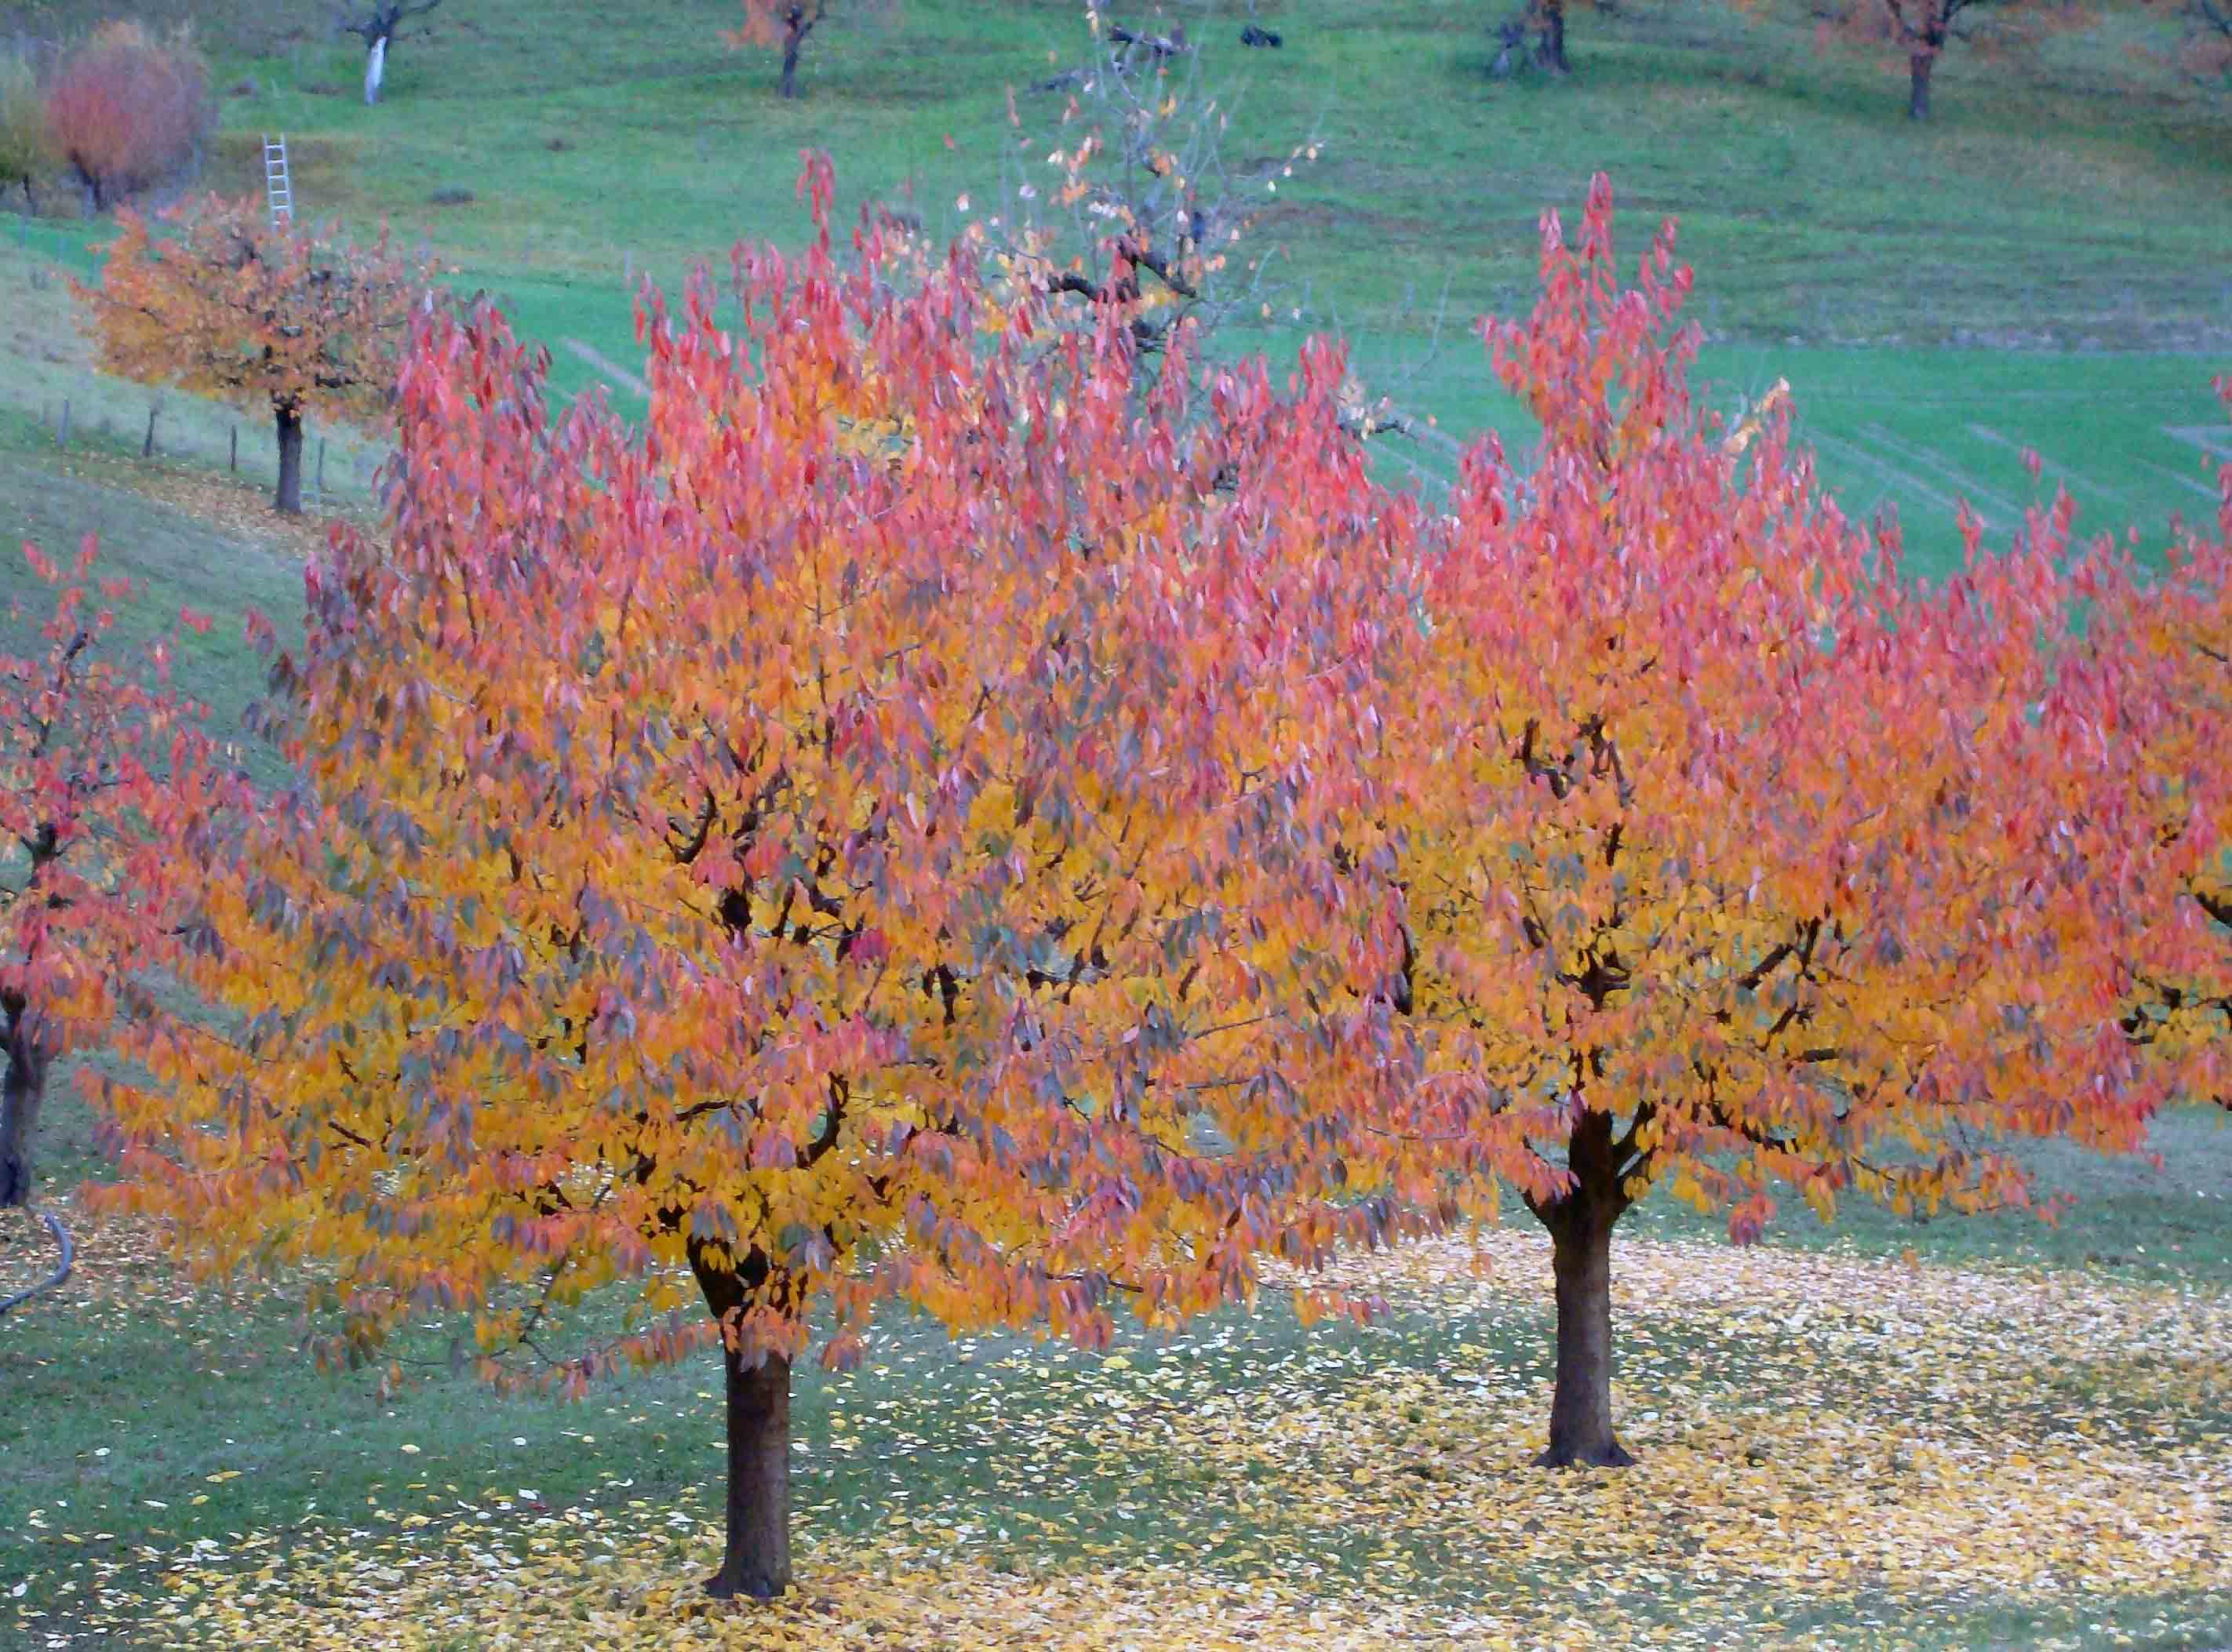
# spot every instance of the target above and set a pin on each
(851, 839)
(2163, 647)
(307, 323)
(1731, 857)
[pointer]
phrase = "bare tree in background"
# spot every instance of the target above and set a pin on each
(378, 30)
(1121, 193)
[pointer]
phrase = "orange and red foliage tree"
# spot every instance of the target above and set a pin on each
(2165, 647)
(307, 323)
(125, 110)
(1732, 856)
(860, 836)
(97, 757)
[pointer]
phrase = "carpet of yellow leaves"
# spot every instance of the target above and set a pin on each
(633, 1595)
(1836, 1451)
(1911, 1432)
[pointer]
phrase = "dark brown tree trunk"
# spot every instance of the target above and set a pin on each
(755, 1553)
(22, 1087)
(288, 499)
(1580, 1225)
(1552, 52)
(1917, 85)
(756, 1559)
(791, 44)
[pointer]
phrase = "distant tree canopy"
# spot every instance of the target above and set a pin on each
(127, 111)
(1123, 195)
(1921, 31)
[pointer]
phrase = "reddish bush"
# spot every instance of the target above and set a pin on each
(127, 110)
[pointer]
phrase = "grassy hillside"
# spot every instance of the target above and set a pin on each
(2080, 199)
(2043, 265)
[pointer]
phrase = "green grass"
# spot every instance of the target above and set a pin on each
(1920, 431)
(2165, 1217)
(2077, 198)
(54, 499)
(2043, 266)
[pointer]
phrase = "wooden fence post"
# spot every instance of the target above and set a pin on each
(147, 447)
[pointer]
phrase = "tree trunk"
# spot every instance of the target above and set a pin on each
(791, 44)
(1580, 1406)
(755, 1553)
(1917, 85)
(755, 1558)
(375, 67)
(1552, 53)
(287, 500)
(22, 1087)
(1580, 1224)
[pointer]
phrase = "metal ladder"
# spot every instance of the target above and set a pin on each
(276, 185)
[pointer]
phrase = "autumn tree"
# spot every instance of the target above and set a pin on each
(1919, 31)
(96, 751)
(2163, 643)
(126, 111)
(848, 839)
(377, 27)
(1732, 856)
(306, 322)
